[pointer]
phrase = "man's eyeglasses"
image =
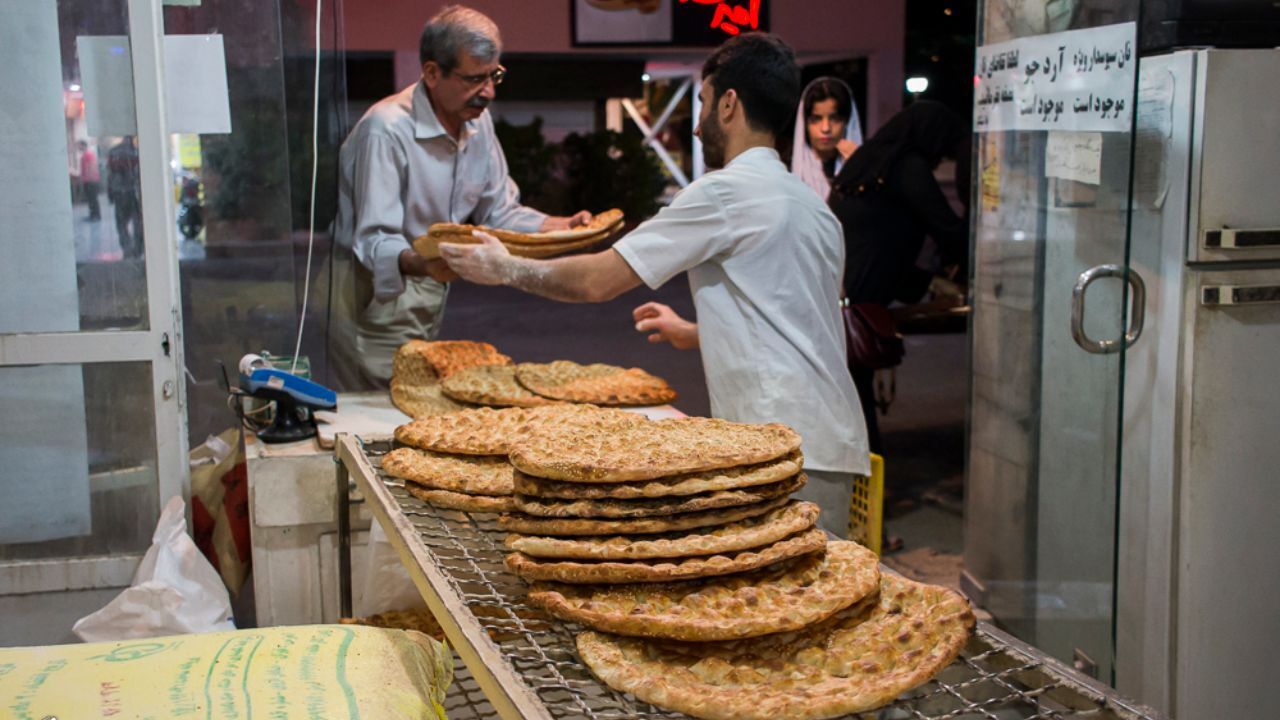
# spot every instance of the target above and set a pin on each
(497, 76)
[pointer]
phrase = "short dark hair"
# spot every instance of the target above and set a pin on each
(455, 30)
(762, 69)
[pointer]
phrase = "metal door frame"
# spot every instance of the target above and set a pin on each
(160, 346)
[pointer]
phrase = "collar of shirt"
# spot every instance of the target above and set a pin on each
(425, 123)
(761, 152)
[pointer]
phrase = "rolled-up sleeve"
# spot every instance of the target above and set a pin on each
(378, 199)
(694, 228)
(499, 203)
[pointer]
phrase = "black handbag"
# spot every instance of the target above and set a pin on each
(871, 336)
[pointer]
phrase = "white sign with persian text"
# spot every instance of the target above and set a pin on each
(1078, 80)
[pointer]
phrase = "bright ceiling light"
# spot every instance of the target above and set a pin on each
(74, 88)
(917, 85)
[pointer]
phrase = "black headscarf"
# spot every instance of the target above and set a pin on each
(925, 127)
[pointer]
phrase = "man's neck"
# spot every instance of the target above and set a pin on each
(735, 146)
(451, 125)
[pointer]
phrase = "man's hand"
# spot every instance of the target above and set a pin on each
(582, 217)
(846, 147)
(665, 325)
(488, 263)
(414, 265)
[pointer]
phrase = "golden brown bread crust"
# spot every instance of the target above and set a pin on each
(426, 361)
(417, 401)
(678, 485)
(540, 244)
(490, 385)
(647, 571)
(469, 474)
(486, 431)
(857, 660)
(771, 527)
(652, 507)
(598, 384)
(533, 525)
(420, 620)
(656, 449)
(460, 501)
(787, 596)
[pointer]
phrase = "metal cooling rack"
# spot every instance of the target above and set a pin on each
(518, 662)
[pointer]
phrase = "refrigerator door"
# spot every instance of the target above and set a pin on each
(1235, 187)
(1228, 577)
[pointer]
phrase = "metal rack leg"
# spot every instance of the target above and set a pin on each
(344, 539)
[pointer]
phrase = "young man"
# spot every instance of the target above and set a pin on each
(764, 257)
(425, 155)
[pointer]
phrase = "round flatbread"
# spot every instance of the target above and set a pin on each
(459, 501)
(490, 385)
(423, 362)
(691, 484)
(646, 571)
(754, 532)
(786, 597)
(651, 450)
(469, 474)
(598, 384)
(657, 506)
(418, 401)
(486, 431)
(857, 660)
(533, 525)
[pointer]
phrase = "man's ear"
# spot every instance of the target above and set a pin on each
(729, 106)
(431, 73)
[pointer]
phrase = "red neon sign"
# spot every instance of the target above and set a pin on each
(733, 19)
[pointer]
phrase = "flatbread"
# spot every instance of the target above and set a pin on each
(470, 474)
(858, 660)
(645, 571)
(490, 385)
(597, 383)
(459, 501)
(533, 525)
(429, 245)
(539, 244)
(418, 401)
(419, 619)
(657, 506)
(651, 450)
(690, 484)
(770, 527)
(422, 362)
(785, 597)
(486, 431)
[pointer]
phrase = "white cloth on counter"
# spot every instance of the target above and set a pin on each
(765, 258)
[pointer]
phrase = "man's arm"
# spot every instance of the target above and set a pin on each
(598, 277)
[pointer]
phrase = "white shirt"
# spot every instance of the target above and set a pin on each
(765, 256)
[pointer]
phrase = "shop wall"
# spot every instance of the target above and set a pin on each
(817, 29)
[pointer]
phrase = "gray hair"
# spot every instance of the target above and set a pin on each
(454, 30)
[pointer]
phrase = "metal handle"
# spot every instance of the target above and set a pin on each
(1229, 239)
(1217, 295)
(1139, 305)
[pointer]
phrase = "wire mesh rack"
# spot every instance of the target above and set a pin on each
(510, 648)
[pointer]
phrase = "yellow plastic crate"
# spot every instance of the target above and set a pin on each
(866, 511)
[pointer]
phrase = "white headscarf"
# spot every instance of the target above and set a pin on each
(804, 161)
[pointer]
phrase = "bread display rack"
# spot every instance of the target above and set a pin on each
(518, 662)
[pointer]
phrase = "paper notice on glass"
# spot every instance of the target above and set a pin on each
(195, 84)
(1155, 131)
(1074, 80)
(1074, 156)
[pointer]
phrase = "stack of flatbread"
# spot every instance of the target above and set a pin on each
(708, 590)
(536, 384)
(419, 366)
(458, 461)
(531, 245)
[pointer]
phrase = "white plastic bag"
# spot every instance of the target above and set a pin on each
(174, 591)
(386, 583)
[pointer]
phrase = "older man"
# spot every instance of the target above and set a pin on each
(425, 155)
(764, 257)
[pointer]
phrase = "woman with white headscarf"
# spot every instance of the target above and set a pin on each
(827, 133)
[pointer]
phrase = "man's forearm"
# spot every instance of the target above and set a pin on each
(570, 279)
